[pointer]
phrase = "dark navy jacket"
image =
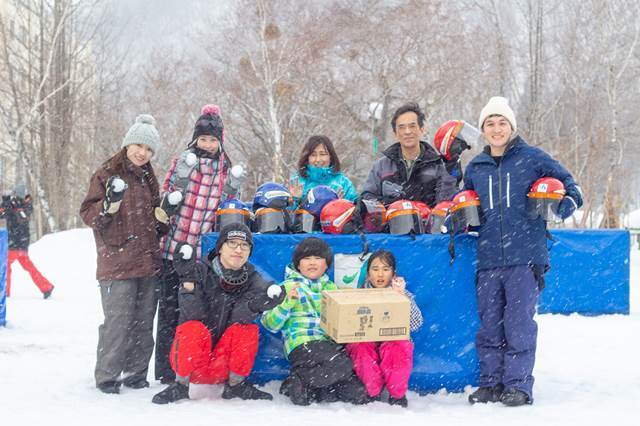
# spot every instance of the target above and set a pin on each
(507, 235)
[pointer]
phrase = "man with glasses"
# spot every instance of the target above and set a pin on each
(219, 299)
(410, 169)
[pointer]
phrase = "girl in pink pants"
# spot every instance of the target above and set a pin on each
(385, 367)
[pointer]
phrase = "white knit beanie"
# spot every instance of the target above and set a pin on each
(498, 105)
(143, 132)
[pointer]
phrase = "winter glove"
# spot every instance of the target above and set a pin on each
(115, 189)
(273, 297)
(391, 192)
(169, 206)
(184, 263)
(571, 201)
(235, 179)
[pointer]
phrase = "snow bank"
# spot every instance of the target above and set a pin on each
(586, 373)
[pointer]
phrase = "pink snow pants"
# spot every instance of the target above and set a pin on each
(383, 364)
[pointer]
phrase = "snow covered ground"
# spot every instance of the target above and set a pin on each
(587, 370)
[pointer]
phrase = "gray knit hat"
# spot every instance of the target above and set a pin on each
(143, 132)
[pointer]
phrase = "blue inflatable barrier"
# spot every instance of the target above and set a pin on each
(445, 355)
(3, 276)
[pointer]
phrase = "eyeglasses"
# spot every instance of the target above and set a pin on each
(233, 245)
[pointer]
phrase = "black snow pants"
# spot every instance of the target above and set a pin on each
(168, 315)
(325, 368)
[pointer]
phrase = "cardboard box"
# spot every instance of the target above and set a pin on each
(365, 315)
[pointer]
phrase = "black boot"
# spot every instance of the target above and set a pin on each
(111, 387)
(244, 390)
(296, 390)
(487, 394)
(515, 398)
(47, 293)
(402, 401)
(352, 390)
(136, 383)
(174, 392)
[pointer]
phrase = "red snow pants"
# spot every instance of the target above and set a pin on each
(22, 256)
(192, 356)
(383, 364)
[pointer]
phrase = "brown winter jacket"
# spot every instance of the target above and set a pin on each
(128, 242)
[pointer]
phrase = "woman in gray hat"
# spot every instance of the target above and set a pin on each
(119, 207)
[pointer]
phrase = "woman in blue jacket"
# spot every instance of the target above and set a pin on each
(512, 253)
(319, 165)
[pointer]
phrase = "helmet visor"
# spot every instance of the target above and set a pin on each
(304, 222)
(469, 134)
(546, 208)
(405, 222)
(270, 221)
(227, 216)
(434, 224)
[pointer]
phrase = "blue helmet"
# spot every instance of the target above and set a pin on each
(272, 195)
(234, 204)
(317, 198)
(233, 211)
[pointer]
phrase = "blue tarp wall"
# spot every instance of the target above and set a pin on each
(589, 275)
(3, 276)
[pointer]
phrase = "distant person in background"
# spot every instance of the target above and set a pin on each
(16, 209)
(319, 165)
(121, 207)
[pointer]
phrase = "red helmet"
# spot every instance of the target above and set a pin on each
(424, 212)
(465, 210)
(337, 217)
(437, 216)
(374, 215)
(544, 197)
(446, 136)
(404, 218)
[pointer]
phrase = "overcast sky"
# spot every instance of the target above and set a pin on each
(145, 25)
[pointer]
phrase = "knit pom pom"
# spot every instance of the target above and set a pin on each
(146, 119)
(210, 109)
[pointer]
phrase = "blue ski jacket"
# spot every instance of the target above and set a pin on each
(507, 235)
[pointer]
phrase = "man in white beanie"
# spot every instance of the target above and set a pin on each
(512, 253)
(119, 207)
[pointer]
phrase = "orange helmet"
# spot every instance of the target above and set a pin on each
(337, 217)
(438, 216)
(465, 210)
(404, 217)
(455, 136)
(544, 198)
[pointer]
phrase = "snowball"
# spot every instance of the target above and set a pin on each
(274, 291)
(190, 159)
(118, 185)
(187, 252)
(175, 197)
(237, 170)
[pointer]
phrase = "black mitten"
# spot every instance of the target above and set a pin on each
(184, 263)
(169, 206)
(115, 189)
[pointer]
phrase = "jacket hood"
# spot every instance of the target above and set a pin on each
(291, 273)
(320, 174)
